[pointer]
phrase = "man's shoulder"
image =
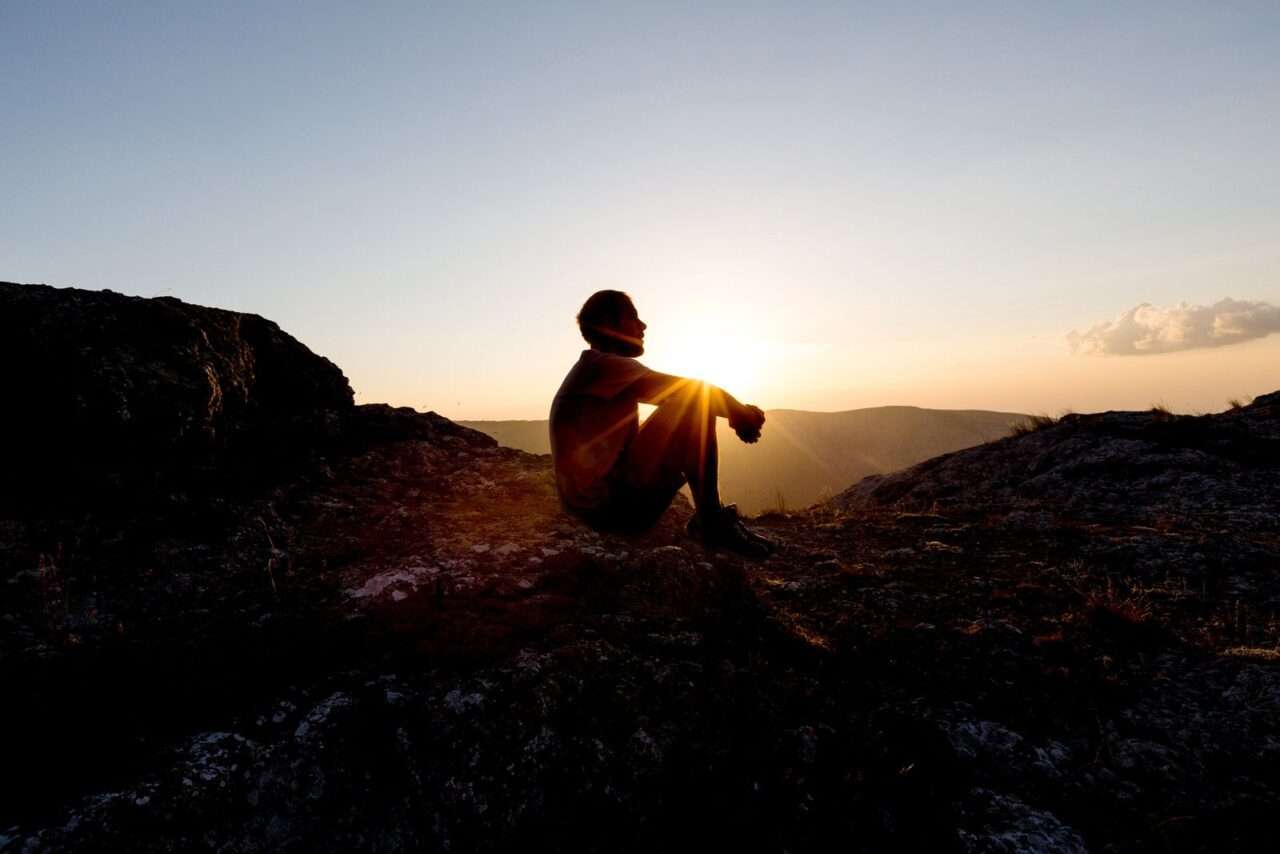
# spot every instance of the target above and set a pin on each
(579, 375)
(600, 374)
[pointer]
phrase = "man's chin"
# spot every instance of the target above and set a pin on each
(633, 350)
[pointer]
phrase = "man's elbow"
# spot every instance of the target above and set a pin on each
(687, 387)
(687, 391)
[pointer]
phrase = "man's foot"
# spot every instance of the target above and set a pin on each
(748, 532)
(726, 531)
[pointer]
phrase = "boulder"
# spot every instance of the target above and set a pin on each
(124, 395)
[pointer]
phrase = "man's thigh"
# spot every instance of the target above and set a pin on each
(654, 460)
(642, 486)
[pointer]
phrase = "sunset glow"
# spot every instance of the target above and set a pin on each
(846, 206)
(733, 359)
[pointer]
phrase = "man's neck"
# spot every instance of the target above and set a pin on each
(613, 352)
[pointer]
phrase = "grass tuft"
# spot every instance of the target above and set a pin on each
(1031, 424)
(1132, 604)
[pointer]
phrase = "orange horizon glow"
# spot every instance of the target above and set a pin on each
(996, 374)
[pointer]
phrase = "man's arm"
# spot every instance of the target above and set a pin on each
(655, 387)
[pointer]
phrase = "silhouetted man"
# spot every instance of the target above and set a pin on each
(618, 474)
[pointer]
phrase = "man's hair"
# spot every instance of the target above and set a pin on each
(602, 310)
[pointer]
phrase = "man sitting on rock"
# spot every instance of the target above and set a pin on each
(620, 475)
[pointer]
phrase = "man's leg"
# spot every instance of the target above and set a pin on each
(677, 445)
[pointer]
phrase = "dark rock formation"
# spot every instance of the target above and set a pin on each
(1108, 466)
(377, 422)
(402, 643)
(115, 395)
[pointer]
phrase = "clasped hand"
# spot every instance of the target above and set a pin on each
(747, 422)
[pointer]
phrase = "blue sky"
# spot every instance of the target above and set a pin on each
(881, 204)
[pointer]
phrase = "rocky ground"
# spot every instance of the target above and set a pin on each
(1135, 466)
(404, 644)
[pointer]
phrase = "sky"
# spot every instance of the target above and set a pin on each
(1033, 207)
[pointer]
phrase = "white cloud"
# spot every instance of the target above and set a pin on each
(1148, 329)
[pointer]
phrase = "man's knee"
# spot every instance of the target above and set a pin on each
(688, 403)
(676, 439)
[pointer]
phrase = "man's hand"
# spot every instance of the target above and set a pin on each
(746, 421)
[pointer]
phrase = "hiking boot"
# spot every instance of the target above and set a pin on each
(728, 532)
(731, 510)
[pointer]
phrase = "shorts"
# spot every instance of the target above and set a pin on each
(630, 507)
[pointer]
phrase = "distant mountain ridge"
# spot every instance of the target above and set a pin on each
(529, 436)
(804, 457)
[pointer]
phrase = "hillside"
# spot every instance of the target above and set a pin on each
(1106, 467)
(804, 457)
(394, 640)
(529, 436)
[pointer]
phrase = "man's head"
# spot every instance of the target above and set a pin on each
(609, 322)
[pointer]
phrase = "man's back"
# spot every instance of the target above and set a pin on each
(592, 420)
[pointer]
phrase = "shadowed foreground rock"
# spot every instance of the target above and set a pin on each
(403, 644)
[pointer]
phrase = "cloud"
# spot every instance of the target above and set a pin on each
(1148, 329)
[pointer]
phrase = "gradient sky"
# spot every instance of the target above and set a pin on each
(872, 204)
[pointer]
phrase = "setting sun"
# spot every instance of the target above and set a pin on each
(712, 350)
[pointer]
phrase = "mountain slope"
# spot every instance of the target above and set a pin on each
(803, 457)
(532, 437)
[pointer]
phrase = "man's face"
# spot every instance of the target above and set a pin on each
(631, 332)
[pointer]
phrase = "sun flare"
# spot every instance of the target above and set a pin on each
(730, 358)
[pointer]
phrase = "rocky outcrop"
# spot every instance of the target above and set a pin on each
(402, 643)
(114, 395)
(1104, 467)
(413, 648)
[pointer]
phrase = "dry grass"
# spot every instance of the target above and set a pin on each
(1129, 603)
(779, 502)
(1236, 403)
(1031, 424)
(53, 593)
(1257, 653)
